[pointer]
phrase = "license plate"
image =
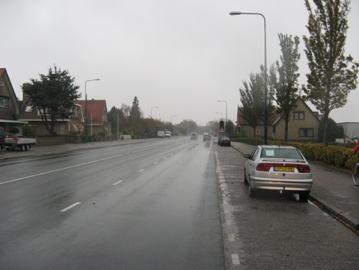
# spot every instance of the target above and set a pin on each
(283, 169)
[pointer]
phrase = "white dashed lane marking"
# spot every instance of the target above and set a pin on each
(116, 183)
(70, 207)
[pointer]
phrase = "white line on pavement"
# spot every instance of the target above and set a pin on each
(141, 171)
(235, 259)
(70, 207)
(116, 183)
(56, 170)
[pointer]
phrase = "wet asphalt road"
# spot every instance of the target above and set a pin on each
(151, 205)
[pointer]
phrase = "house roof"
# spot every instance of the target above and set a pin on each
(315, 114)
(96, 109)
(3, 73)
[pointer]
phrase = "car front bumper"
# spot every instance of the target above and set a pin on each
(281, 184)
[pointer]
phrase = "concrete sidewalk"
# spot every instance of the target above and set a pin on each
(36, 151)
(332, 189)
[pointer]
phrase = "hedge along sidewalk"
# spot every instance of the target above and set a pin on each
(333, 189)
(37, 151)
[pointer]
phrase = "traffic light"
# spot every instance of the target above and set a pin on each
(221, 125)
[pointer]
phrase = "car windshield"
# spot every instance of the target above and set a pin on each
(286, 153)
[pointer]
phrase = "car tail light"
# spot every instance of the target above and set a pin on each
(264, 167)
(303, 168)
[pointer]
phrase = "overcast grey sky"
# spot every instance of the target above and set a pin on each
(179, 55)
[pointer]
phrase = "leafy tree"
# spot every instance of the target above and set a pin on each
(252, 99)
(135, 112)
(135, 117)
(332, 74)
(212, 127)
(286, 84)
(333, 130)
(230, 128)
(53, 96)
(186, 127)
(117, 120)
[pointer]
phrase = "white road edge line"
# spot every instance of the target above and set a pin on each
(235, 259)
(116, 183)
(70, 207)
(56, 170)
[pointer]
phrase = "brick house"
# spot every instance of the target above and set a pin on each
(9, 105)
(97, 122)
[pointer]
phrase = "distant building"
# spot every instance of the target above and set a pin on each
(9, 106)
(351, 129)
(97, 122)
(303, 124)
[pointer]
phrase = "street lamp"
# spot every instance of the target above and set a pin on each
(234, 13)
(153, 107)
(224, 101)
(86, 118)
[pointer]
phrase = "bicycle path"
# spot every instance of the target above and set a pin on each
(332, 189)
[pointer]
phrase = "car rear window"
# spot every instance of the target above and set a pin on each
(286, 153)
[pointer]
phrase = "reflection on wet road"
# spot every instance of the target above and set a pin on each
(144, 206)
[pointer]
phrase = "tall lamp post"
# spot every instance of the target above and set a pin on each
(224, 101)
(153, 107)
(86, 116)
(234, 13)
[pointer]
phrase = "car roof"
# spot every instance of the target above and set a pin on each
(277, 146)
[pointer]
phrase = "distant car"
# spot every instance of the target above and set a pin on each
(168, 134)
(275, 167)
(194, 136)
(224, 141)
(161, 134)
(206, 137)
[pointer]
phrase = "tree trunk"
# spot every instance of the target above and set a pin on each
(286, 121)
(254, 132)
(325, 127)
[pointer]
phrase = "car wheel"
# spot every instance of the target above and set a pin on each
(245, 178)
(304, 196)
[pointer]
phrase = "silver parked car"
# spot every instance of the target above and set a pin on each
(282, 168)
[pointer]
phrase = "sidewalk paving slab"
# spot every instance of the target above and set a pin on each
(332, 189)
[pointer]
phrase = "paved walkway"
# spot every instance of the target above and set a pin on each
(63, 148)
(333, 189)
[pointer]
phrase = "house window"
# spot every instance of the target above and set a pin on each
(4, 102)
(298, 115)
(306, 132)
